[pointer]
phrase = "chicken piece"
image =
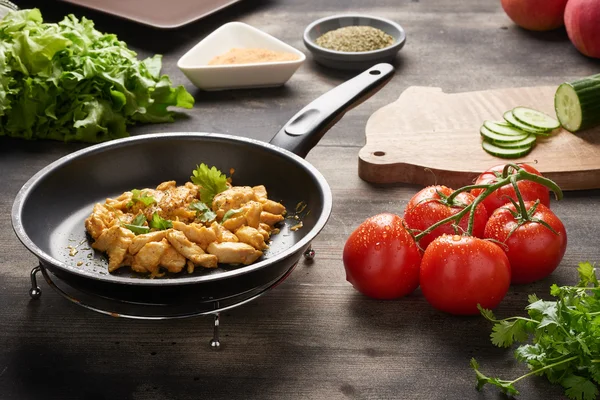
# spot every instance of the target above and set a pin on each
(98, 221)
(115, 242)
(234, 253)
(196, 233)
(174, 201)
(270, 219)
(251, 236)
(148, 257)
(172, 260)
(234, 223)
(223, 235)
(273, 207)
(252, 213)
(232, 198)
(260, 193)
(140, 240)
(265, 230)
(191, 250)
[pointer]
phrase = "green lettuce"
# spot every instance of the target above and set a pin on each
(67, 81)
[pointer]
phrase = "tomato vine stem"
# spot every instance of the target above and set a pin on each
(506, 178)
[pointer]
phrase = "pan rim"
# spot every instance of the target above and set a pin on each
(31, 184)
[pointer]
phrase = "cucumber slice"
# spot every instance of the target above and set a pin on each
(504, 152)
(577, 103)
(527, 142)
(510, 118)
(535, 118)
(493, 136)
(504, 130)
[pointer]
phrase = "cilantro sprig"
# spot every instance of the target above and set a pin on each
(203, 212)
(565, 338)
(211, 182)
(158, 223)
(137, 225)
(138, 196)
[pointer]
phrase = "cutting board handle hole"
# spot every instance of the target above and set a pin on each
(379, 153)
(375, 72)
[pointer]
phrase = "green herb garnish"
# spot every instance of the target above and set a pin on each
(203, 212)
(565, 337)
(159, 223)
(137, 225)
(231, 213)
(68, 81)
(137, 196)
(211, 182)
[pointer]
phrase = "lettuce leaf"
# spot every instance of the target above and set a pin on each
(67, 81)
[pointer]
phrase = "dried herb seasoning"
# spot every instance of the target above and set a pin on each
(355, 39)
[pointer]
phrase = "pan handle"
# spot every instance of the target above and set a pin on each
(301, 133)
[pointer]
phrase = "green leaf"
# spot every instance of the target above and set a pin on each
(203, 212)
(231, 213)
(138, 196)
(137, 225)
(160, 223)
(210, 180)
(68, 81)
(587, 275)
(482, 380)
(505, 333)
(579, 388)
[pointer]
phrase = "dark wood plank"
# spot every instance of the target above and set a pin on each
(314, 336)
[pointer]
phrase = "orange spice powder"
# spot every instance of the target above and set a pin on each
(251, 56)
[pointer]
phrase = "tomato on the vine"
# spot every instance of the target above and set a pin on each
(529, 190)
(381, 258)
(533, 249)
(460, 272)
(429, 206)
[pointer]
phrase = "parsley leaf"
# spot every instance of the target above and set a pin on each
(565, 334)
(160, 223)
(210, 180)
(137, 225)
(137, 196)
(203, 212)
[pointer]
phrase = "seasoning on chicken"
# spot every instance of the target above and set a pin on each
(202, 223)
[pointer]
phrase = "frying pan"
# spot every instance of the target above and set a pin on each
(49, 211)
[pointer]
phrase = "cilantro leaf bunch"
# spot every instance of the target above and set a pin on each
(211, 182)
(564, 338)
(67, 81)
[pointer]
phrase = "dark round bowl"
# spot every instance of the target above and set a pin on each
(353, 60)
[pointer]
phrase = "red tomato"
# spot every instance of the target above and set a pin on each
(459, 272)
(529, 190)
(381, 258)
(534, 251)
(427, 207)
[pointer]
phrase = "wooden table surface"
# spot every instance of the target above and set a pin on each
(313, 337)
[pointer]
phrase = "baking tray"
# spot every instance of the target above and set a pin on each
(164, 14)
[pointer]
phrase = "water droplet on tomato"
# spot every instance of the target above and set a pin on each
(377, 246)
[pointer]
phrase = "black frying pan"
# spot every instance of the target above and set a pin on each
(49, 210)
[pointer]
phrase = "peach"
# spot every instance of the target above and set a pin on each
(582, 20)
(536, 15)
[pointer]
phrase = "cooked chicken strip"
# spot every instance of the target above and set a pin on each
(252, 213)
(98, 221)
(223, 235)
(273, 207)
(140, 240)
(234, 223)
(234, 253)
(196, 233)
(148, 257)
(115, 241)
(251, 236)
(172, 260)
(260, 193)
(232, 198)
(191, 250)
(270, 219)
(174, 202)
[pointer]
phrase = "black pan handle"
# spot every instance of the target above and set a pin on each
(301, 133)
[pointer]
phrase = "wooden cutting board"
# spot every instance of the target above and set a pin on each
(428, 136)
